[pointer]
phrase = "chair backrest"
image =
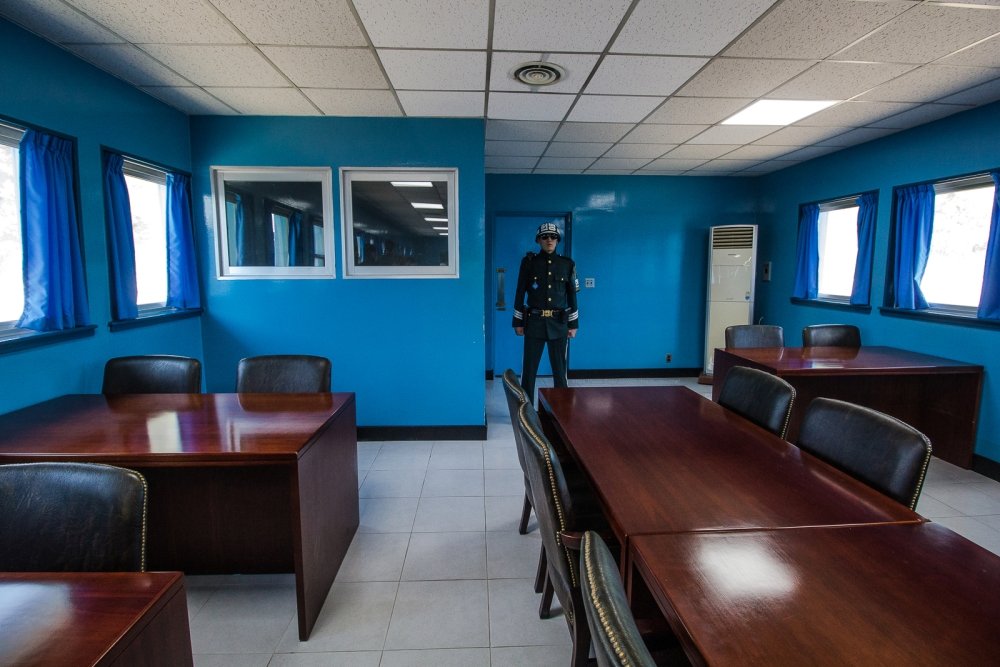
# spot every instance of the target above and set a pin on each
(877, 449)
(616, 638)
(755, 335)
(152, 374)
(283, 374)
(831, 335)
(516, 397)
(71, 517)
(553, 507)
(764, 399)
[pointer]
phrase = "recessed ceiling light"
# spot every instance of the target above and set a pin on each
(777, 112)
(412, 184)
(537, 73)
(433, 219)
(440, 228)
(417, 204)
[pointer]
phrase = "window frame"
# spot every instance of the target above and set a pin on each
(349, 175)
(148, 171)
(838, 204)
(10, 135)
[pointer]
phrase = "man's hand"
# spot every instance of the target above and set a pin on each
(572, 333)
(519, 331)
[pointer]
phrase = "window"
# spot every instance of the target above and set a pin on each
(147, 194)
(838, 249)
(400, 223)
(11, 279)
(953, 278)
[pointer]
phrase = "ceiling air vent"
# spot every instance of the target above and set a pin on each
(736, 236)
(537, 73)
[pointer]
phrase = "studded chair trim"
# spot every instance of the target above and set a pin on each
(602, 613)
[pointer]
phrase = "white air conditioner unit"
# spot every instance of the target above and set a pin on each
(732, 265)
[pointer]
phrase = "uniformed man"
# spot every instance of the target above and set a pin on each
(550, 317)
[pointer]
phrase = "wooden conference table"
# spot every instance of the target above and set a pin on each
(87, 619)
(914, 594)
(238, 483)
(937, 396)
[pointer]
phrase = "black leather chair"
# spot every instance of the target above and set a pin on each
(764, 399)
(152, 374)
(71, 517)
(559, 523)
(754, 335)
(831, 335)
(616, 637)
(877, 449)
(283, 374)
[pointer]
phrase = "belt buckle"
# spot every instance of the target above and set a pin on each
(546, 313)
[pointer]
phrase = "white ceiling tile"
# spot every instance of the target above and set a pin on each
(299, 23)
(773, 166)
(446, 104)
(612, 108)
(162, 22)
(856, 114)
(858, 136)
(57, 21)
(558, 171)
(130, 63)
(757, 153)
(565, 162)
(529, 106)
(732, 134)
(675, 165)
(335, 102)
(620, 163)
(646, 151)
(697, 110)
(662, 134)
(493, 162)
(730, 165)
(813, 28)
(811, 152)
(704, 151)
(609, 172)
(266, 101)
(576, 65)
(642, 75)
(925, 33)
(800, 136)
(593, 131)
(433, 24)
(924, 113)
(683, 27)
(715, 168)
(981, 94)
(577, 149)
(520, 130)
(556, 25)
(324, 67)
(192, 101)
(660, 172)
(984, 54)
(727, 77)
(434, 70)
(490, 170)
(929, 83)
(837, 81)
(223, 65)
(516, 148)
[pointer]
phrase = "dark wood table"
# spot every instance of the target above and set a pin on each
(86, 619)
(939, 397)
(238, 483)
(665, 460)
(914, 594)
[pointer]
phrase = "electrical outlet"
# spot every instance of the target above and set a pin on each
(765, 274)
(669, 358)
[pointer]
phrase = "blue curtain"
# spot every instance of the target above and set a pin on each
(182, 269)
(241, 234)
(989, 300)
(121, 244)
(55, 294)
(296, 256)
(867, 212)
(914, 226)
(807, 254)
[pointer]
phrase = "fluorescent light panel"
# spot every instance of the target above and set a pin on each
(440, 228)
(433, 219)
(777, 112)
(439, 207)
(412, 184)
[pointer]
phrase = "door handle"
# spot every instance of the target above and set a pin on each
(501, 302)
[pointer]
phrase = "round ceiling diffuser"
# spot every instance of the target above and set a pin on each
(537, 73)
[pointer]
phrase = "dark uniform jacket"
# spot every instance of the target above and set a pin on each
(549, 283)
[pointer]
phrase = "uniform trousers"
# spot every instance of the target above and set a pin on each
(533, 354)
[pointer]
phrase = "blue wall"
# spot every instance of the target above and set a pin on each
(645, 241)
(963, 143)
(411, 349)
(45, 86)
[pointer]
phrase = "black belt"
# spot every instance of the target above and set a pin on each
(547, 312)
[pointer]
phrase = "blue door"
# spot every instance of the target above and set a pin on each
(513, 236)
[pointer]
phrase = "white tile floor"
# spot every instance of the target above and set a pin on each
(437, 574)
